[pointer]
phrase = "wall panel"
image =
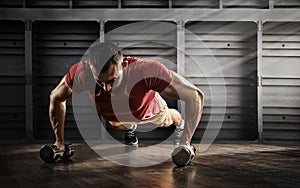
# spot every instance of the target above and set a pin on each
(286, 3)
(233, 46)
(11, 3)
(57, 45)
(195, 4)
(246, 3)
(281, 81)
(47, 3)
(95, 3)
(145, 4)
(12, 80)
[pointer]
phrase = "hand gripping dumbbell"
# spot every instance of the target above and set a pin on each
(50, 153)
(182, 155)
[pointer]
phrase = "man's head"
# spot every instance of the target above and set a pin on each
(104, 54)
(106, 62)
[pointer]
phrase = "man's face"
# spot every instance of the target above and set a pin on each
(111, 78)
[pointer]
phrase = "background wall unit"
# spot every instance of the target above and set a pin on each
(95, 4)
(281, 81)
(195, 4)
(57, 45)
(144, 4)
(233, 46)
(260, 4)
(47, 3)
(12, 80)
(286, 3)
(12, 3)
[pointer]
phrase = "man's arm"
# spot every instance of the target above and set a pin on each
(57, 110)
(181, 89)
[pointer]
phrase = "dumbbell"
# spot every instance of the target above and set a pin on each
(182, 155)
(69, 152)
(50, 153)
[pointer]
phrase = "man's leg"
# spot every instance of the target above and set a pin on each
(130, 136)
(173, 117)
(120, 128)
(167, 116)
(129, 132)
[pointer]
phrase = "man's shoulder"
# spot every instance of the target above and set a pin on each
(79, 70)
(83, 64)
(130, 59)
(139, 62)
(80, 66)
(80, 75)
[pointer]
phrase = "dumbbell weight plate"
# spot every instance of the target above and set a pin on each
(194, 152)
(181, 156)
(48, 154)
(69, 152)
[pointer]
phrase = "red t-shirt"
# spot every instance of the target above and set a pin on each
(134, 99)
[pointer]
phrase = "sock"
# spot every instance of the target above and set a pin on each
(181, 126)
(131, 127)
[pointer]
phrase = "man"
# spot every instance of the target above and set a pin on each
(111, 80)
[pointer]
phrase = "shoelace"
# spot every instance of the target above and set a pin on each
(130, 134)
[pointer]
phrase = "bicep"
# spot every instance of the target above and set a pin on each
(180, 89)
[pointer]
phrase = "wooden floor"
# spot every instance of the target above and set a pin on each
(222, 165)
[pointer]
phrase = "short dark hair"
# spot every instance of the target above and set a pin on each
(103, 54)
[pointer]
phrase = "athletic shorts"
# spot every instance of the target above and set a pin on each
(157, 119)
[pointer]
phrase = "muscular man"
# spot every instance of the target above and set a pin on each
(110, 79)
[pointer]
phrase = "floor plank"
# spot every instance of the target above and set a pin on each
(221, 165)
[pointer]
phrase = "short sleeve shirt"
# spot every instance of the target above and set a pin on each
(134, 100)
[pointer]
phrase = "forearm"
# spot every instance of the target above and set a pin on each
(193, 97)
(57, 112)
(193, 113)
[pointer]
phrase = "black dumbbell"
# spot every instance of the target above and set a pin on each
(182, 155)
(69, 152)
(50, 153)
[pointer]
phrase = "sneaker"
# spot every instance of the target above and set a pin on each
(178, 135)
(130, 137)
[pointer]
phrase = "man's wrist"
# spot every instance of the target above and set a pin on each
(60, 141)
(184, 143)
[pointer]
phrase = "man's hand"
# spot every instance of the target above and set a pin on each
(61, 147)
